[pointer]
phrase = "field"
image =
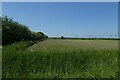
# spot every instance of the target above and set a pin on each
(61, 58)
(69, 44)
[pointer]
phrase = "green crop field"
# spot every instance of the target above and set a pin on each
(69, 44)
(61, 58)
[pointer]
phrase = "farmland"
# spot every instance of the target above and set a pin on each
(57, 40)
(58, 44)
(61, 58)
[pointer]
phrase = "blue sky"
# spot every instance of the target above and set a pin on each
(83, 19)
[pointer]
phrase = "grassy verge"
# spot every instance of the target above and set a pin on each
(19, 62)
(0, 62)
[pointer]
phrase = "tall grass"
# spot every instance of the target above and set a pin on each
(19, 62)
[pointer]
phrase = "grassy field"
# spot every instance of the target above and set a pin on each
(58, 44)
(55, 58)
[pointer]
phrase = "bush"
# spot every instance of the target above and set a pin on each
(13, 31)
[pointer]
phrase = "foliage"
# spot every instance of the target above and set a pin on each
(13, 31)
(84, 38)
(0, 31)
(62, 37)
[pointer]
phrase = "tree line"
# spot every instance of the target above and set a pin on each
(13, 31)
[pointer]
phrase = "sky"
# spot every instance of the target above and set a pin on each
(68, 19)
(60, 0)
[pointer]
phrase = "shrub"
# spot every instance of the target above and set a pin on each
(13, 31)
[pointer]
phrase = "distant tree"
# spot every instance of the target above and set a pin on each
(62, 37)
(43, 35)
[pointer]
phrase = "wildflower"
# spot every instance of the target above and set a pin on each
(31, 50)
